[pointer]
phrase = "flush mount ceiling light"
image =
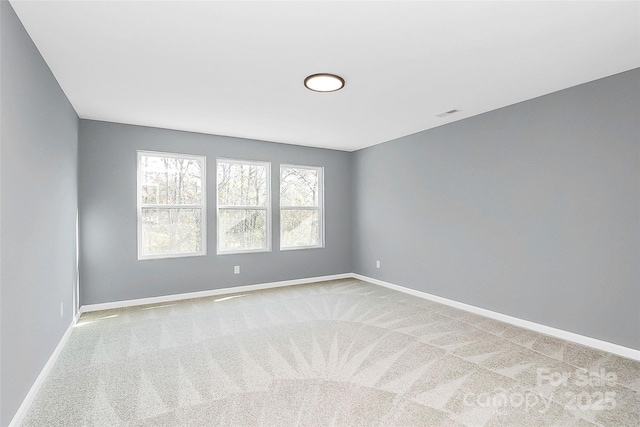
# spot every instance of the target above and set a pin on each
(324, 82)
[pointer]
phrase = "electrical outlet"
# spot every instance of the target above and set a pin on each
(61, 309)
(377, 264)
(236, 269)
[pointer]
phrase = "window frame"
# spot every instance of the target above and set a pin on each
(319, 208)
(267, 207)
(202, 205)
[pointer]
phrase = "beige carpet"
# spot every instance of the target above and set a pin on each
(344, 353)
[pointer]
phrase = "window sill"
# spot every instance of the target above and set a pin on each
(170, 256)
(300, 248)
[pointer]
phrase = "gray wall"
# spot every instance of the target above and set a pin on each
(38, 197)
(109, 269)
(532, 210)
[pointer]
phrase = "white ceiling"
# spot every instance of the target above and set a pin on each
(237, 68)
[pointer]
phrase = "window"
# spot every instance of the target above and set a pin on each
(171, 205)
(244, 206)
(301, 207)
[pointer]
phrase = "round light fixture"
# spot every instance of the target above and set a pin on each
(324, 82)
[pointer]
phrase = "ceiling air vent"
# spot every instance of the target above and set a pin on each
(447, 113)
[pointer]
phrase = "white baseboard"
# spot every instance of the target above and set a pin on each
(209, 293)
(44, 373)
(558, 333)
(537, 327)
(28, 400)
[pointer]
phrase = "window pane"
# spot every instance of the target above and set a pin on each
(299, 228)
(242, 184)
(240, 230)
(298, 187)
(171, 231)
(167, 180)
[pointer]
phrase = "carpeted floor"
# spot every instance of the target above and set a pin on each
(343, 353)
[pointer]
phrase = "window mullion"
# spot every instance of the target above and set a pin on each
(301, 227)
(243, 228)
(169, 230)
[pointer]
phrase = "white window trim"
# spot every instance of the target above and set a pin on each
(266, 207)
(202, 205)
(319, 208)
